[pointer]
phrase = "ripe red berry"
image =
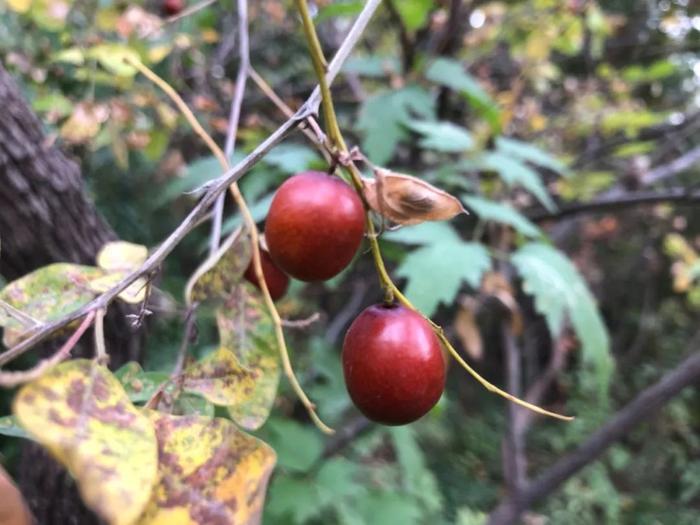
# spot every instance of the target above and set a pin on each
(393, 365)
(277, 281)
(173, 7)
(315, 225)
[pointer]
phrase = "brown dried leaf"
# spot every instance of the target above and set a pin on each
(408, 200)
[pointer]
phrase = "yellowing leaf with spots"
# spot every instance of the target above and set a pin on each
(81, 413)
(243, 374)
(45, 295)
(220, 273)
(211, 473)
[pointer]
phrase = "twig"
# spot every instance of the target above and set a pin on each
(25, 320)
(619, 202)
(301, 323)
(190, 11)
(514, 460)
(641, 408)
(12, 379)
(235, 115)
(682, 163)
(187, 339)
(101, 354)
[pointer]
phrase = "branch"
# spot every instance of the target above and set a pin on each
(235, 115)
(617, 202)
(513, 447)
(682, 163)
(408, 50)
(687, 373)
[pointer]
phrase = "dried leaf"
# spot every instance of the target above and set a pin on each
(408, 200)
(84, 123)
(468, 330)
(45, 295)
(243, 374)
(498, 286)
(210, 473)
(80, 412)
(216, 278)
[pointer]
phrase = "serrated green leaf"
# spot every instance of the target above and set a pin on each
(451, 73)
(488, 210)
(414, 13)
(560, 291)
(436, 272)
(516, 173)
(442, 136)
(423, 233)
(291, 158)
(383, 116)
(531, 153)
(292, 501)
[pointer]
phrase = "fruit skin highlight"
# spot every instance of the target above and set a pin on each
(315, 226)
(393, 364)
(277, 281)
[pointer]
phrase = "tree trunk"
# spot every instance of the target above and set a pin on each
(46, 217)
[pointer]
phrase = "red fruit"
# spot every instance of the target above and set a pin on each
(173, 7)
(315, 225)
(393, 364)
(276, 280)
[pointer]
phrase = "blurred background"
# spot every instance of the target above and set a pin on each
(569, 129)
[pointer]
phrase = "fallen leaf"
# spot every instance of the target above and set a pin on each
(210, 473)
(80, 412)
(408, 200)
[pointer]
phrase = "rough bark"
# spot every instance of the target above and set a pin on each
(46, 216)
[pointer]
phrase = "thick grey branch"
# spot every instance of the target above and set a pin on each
(687, 373)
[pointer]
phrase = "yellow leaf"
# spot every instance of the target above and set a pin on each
(84, 123)
(216, 278)
(210, 472)
(121, 255)
(19, 6)
(407, 200)
(135, 293)
(82, 415)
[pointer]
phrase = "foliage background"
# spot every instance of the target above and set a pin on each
(520, 108)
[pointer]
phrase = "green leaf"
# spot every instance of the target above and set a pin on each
(337, 480)
(516, 173)
(112, 57)
(560, 291)
(374, 66)
(436, 272)
(298, 446)
(291, 158)
(423, 233)
(292, 501)
(451, 73)
(338, 9)
(489, 210)
(80, 412)
(442, 136)
(9, 426)
(531, 153)
(139, 385)
(414, 13)
(383, 116)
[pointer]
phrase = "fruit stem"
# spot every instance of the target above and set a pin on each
(390, 288)
(252, 229)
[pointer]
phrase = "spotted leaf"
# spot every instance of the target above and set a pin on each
(45, 295)
(210, 473)
(244, 372)
(220, 273)
(82, 415)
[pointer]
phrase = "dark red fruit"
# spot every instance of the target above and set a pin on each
(315, 226)
(173, 7)
(393, 365)
(276, 280)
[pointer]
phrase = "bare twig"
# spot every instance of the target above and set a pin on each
(187, 339)
(101, 354)
(641, 408)
(682, 163)
(27, 321)
(12, 379)
(301, 323)
(513, 448)
(235, 115)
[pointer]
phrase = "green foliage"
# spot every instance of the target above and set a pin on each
(494, 211)
(439, 260)
(441, 136)
(560, 291)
